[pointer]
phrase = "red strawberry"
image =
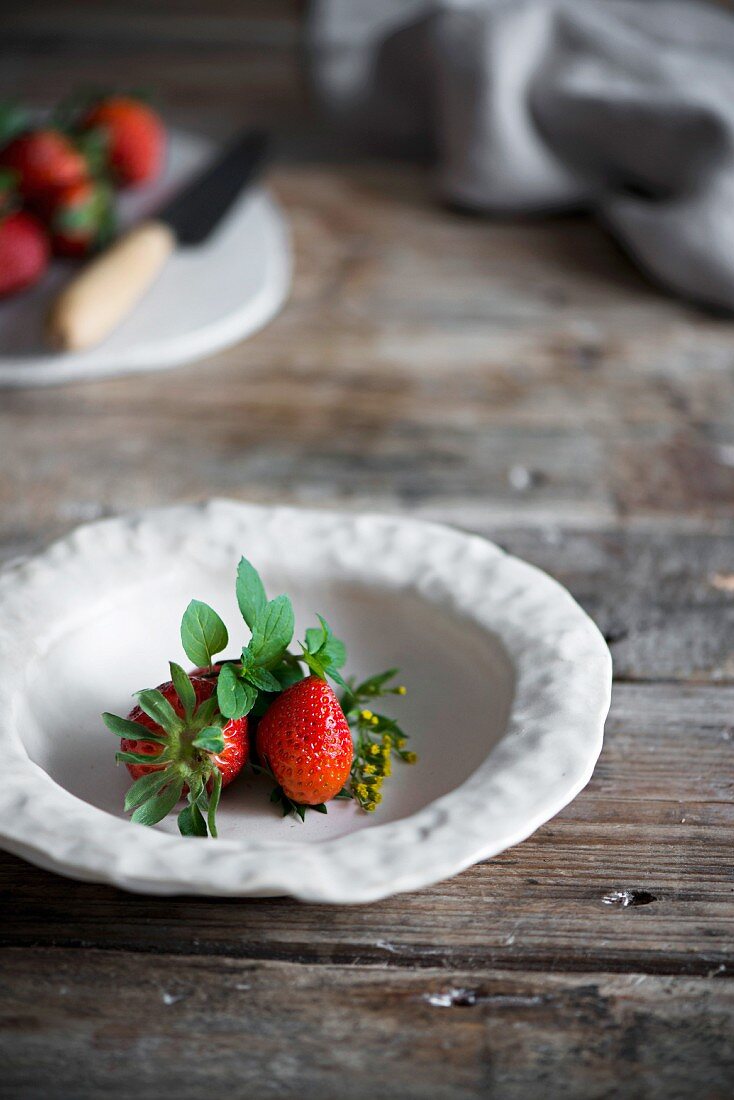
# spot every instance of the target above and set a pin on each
(304, 740)
(200, 758)
(45, 160)
(229, 762)
(81, 218)
(136, 138)
(24, 252)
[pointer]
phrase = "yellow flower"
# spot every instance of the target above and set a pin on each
(361, 791)
(375, 720)
(369, 769)
(402, 690)
(371, 806)
(410, 757)
(401, 742)
(367, 715)
(374, 750)
(377, 797)
(386, 741)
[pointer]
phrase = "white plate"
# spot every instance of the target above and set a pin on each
(508, 688)
(205, 299)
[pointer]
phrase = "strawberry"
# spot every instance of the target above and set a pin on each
(189, 754)
(24, 252)
(81, 218)
(135, 136)
(305, 741)
(45, 160)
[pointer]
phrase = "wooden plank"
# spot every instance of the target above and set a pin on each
(191, 1027)
(657, 819)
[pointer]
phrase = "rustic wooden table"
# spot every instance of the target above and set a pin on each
(516, 379)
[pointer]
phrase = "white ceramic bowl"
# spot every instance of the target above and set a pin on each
(508, 688)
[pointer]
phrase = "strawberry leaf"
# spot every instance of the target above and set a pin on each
(184, 689)
(207, 712)
(191, 822)
(273, 631)
(214, 801)
(157, 707)
(250, 592)
(145, 787)
(210, 739)
(141, 758)
(203, 634)
(133, 731)
(235, 697)
(159, 806)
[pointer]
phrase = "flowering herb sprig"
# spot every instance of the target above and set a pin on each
(377, 739)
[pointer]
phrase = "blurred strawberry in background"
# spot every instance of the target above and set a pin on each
(44, 161)
(135, 138)
(81, 218)
(58, 179)
(24, 251)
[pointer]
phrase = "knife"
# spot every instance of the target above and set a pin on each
(103, 294)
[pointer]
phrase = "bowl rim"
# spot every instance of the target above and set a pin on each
(547, 754)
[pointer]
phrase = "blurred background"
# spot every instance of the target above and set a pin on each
(516, 376)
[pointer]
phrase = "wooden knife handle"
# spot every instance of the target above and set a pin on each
(102, 295)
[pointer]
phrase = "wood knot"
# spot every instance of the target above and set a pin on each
(625, 898)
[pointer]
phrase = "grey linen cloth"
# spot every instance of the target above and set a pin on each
(625, 107)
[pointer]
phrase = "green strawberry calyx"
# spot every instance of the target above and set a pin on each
(189, 746)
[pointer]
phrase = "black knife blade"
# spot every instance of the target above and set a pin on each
(195, 211)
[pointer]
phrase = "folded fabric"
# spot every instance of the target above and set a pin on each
(625, 107)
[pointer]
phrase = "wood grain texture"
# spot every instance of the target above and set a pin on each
(227, 1026)
(519, 379)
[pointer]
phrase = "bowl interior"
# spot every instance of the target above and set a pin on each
(459, 679)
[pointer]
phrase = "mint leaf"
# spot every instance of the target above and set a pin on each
(145, 787)
(337, 653)
(159, 806)
(315, 638)
(250, 592)
(202, 633)
(262, 679)
(184, 689)
(288, 674)
(210, 739)
(157, 707)
(322, 644)
(132, 731)
(322, 668)
(273, 631)
(214, 801)
(191, 822)
(235, 697)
